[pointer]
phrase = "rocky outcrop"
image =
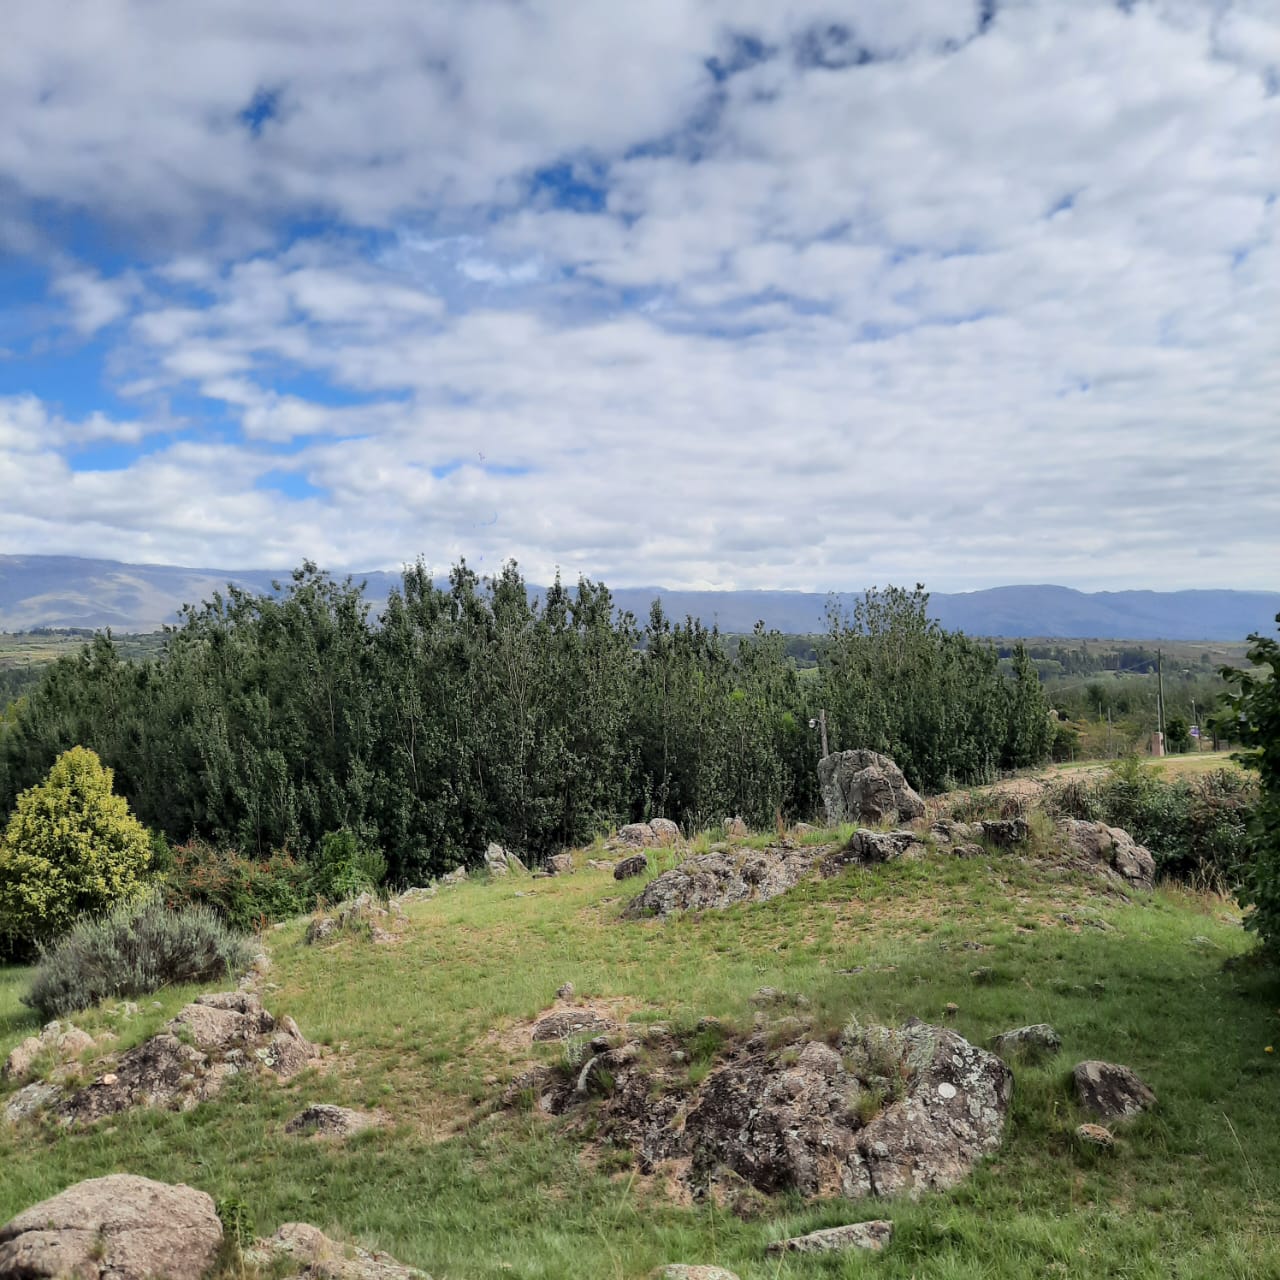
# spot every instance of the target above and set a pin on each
(865, 847)
(716, 880)
(1039, 1040)
(325, 1120)
(866, 787)
(1110, 1091)
(628, 868)
(299, 1249)
(856, 1235)
(361, 916)
(58, 1042)
(218, 1036)
(1112, 850)
(573, 1021)
(119, 1227)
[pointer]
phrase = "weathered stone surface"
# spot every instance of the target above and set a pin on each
(735, 828)
(803, 829)
(634, 865)
(857, 1235)
(640, 834)
(1036, 1041)
(324, 1119)
(560, 864)
(416, 894)
(500, 862)
(160, 1072)
(222, 1021)
(1095, 1135)
(61, 1043)
(1111, 849)
(683, 1271)
(866, 847)
(119, 1227)
(299, 1249)
(1005, 833)
(1111, 1091)
(716, 880)
(361, 915)
(457, 876)
(949, 831)
(573, 1021)
(864, 786)
(665, 830)
(30, 1099)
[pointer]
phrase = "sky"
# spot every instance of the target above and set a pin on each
(696, 293)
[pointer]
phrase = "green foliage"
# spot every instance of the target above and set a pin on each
(71, 847)
(245, 892)
(1196, 828)
(1255, 699)
(133, 950)
(1177, 734)
(346, 866)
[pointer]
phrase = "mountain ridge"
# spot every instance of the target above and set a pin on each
(74, 591)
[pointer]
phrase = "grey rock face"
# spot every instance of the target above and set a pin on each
(1036, 1041)
(640, 834)
(665, 830)
(864, 786)
(1112, 850)
(716, 880)
(857, 1235)
(299, 1249)
(867, 847)
(338, 1122)
(29, 1100)
(570, 1022)
(118, 1228)
(634, 865)
(1006, 832)
(1110, 1091)
(500, 862)
(560, 864)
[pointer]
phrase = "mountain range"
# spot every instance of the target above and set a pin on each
(68, 591)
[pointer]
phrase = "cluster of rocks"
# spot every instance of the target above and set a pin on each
(218, 1036)
(723, 879)
(123, 1227)
(361, 916)
(57, 1042)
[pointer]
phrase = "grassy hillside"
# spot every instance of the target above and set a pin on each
(429, 1027)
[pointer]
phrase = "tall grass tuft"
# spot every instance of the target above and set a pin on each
(132, 951)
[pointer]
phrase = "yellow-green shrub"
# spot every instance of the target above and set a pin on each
(71, 847)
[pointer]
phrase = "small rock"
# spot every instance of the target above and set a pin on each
(634, 865)
(570, 1022)
(304, 1251)
(330, 1121)
(1111, 1091)
(565, 991)
(1094, 1135)
(456, 876)
(560, 864)
(857, 1235)
(951, 1009)
(499, 861)
(682, 1271)
(1006, 832)
(59, 1042)
(120, 1227)
(665, 830)
(1037, 1040)
(803, 829)
(28, 1100)
(735, 828)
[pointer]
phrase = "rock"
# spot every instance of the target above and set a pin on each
(865, 787)
(735, 828)
(1112, 850)
(682, 1271)
(223, 1021)
(563, 1023)
(321, 929)
(58, 1042)
(416, 894)
(160, 1072)
(1094, 1135)
(119, 1227)
(29, 1100)
(298, 1249)
(1006, 832)
(665, 830)
(802, 829)
(716, 880)
(857, 1235)
(949, 831)
(634, 865)
(499, 861)
(867, 847)
(565, 991)
(950, 1009)
(560, 864)
(1110, 1091)
(641, 834)
(1036, 1041)
(766, 996)
(457, 876)
(968, 851)
(324, 1119)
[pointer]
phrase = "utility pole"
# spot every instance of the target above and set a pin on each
(1160, 694)
(821, 723)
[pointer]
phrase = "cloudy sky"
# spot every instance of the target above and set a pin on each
(735, 293)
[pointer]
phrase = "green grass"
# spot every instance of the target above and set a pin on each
(421, 1028)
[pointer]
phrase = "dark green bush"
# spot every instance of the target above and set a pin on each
(134, 950)
(246, 892)
(1196, 828)
(347, 866)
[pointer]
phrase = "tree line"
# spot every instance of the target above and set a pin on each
(469, 711)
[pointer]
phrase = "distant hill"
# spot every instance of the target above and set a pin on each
(67, 591)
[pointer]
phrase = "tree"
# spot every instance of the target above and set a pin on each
(1255, 699)
(71, 847)
(1177, 734)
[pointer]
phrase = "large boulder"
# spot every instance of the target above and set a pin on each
(120, 1227)
(639, 834)
(560, 864)
(499, 861)
(1110, 1091)
(716, 880)
(866, 787)
(634, 864)
(666, 831)
(1112, 850)
(298, 1249)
